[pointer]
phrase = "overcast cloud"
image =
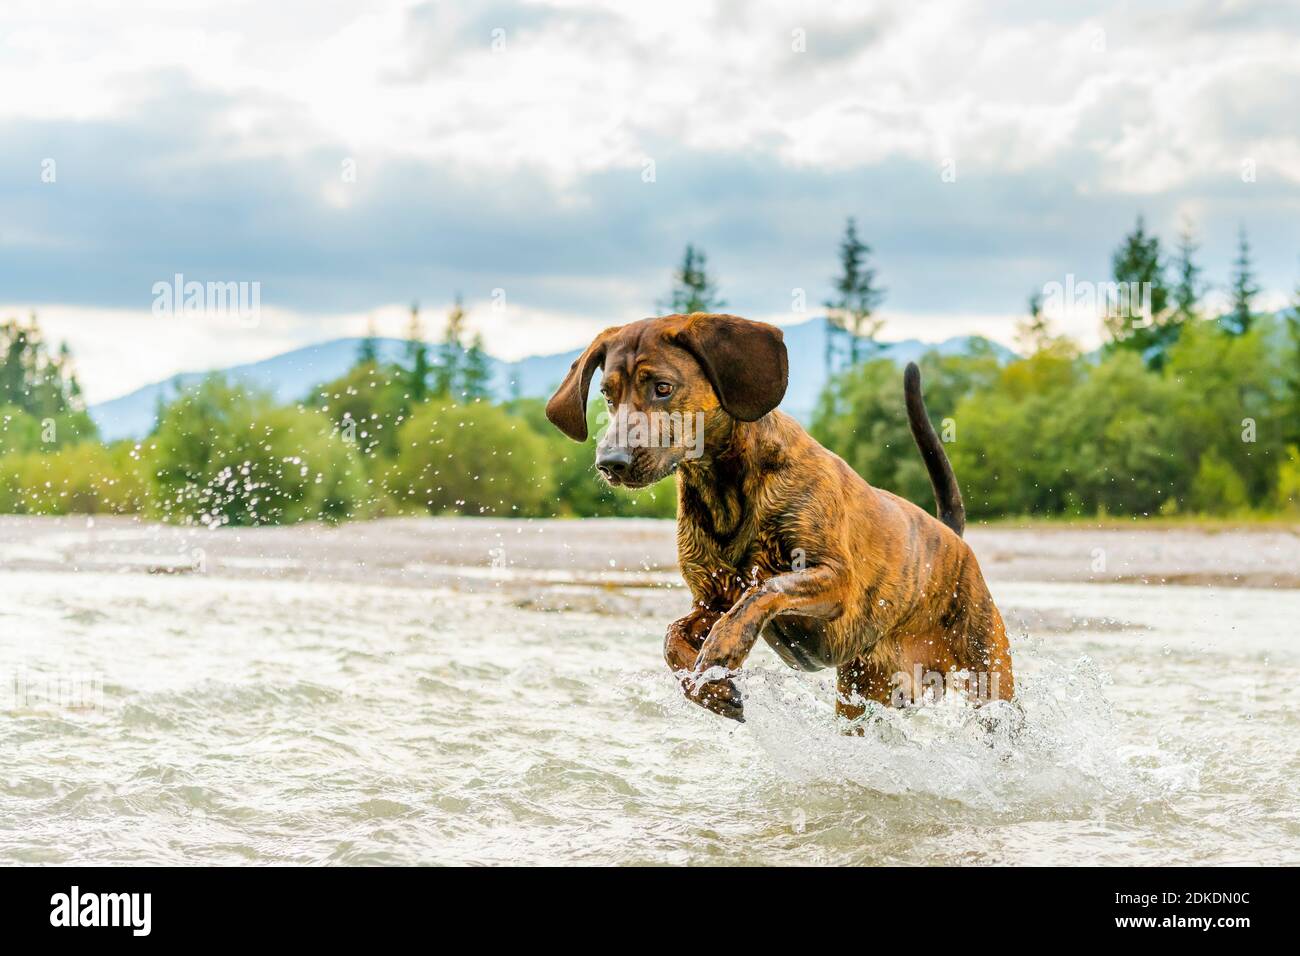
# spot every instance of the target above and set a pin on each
(211, 139)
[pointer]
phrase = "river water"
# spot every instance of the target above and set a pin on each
(201, 718)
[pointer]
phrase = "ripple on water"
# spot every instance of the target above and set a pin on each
(508, 735)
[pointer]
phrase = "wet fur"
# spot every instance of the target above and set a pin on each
(778, 537)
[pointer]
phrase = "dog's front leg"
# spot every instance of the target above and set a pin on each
(814, 592)
(682, 646)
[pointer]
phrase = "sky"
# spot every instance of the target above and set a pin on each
(548, 161)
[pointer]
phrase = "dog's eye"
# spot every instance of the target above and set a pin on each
(663, 389)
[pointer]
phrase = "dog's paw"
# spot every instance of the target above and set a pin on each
(719, 696)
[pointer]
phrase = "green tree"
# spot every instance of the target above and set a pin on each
(471, 459)
(476, 373)
(367, 404)
(1216, 488)
(1187, 286)
(19, 431)
(1288, 481)
(693, 290)
(1239, 318)
(1112, 443)
(417, 358)
(1138, 321)
(1006, 455)
(861, 417)
(85, 478)
(1291, 410)
(1229, 401)
(852, 310)
(451, 353)
(42, 385)
(222, 455)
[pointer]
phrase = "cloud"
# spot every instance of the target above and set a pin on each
(187, 141)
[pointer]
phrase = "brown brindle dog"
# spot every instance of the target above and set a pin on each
(778, 536)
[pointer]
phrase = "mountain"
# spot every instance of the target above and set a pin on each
(291, 376)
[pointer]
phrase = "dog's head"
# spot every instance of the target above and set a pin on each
(672, 387)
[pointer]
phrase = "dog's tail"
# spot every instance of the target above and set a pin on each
(947, 496)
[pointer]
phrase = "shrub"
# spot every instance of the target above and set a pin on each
(223, 456)
(471, 459)
(1217, 489)
(1288, 480)
(83, 479)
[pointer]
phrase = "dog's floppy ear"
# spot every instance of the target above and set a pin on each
(746, 362)
(567, 409)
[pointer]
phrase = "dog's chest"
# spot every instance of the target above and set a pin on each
(725, 568)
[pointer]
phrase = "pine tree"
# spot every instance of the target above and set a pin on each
(69, 387)
(693, 290)
(1188, 286)
(15, 387)
(476, 373)
(1138, 319)
(40, 382)
(1034, 334)
(1244, 289)
(31, 379)
(417, 357)
(852, 311)
(451, 353)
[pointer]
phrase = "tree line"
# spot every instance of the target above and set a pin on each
(1179, 412)
(417, 435)
(1183, 410)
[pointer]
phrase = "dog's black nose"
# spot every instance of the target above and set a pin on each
(613, 462)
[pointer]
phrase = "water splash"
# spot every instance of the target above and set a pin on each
(1056, 745)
